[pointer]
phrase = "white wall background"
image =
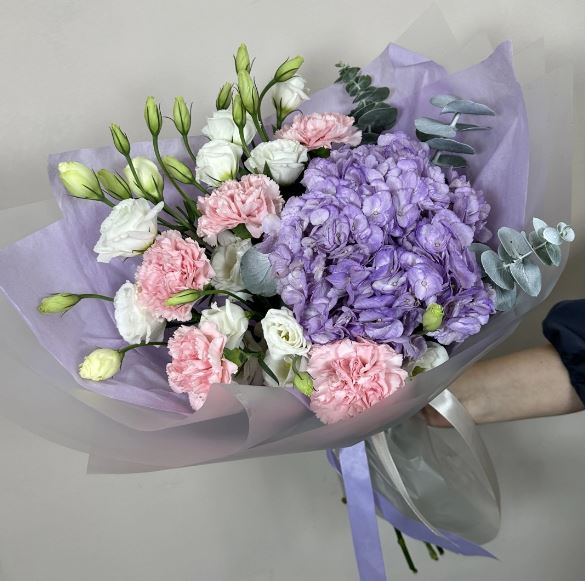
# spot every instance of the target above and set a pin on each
(68, 69)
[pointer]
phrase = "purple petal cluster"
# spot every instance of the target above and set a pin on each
(380, 234)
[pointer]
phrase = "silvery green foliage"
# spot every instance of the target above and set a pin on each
(441, 136)
(257, 274)
(371, 112)
(514, 264)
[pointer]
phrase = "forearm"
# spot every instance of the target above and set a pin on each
(527, 384)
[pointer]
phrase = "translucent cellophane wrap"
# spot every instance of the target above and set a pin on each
(134, 422)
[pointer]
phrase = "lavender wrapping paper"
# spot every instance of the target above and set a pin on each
(134, 422)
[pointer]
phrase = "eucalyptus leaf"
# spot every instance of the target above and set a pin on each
(446, 160)
(539, 245)
(450, 145)
(527, 274)
(539, 224)
(552, 235)
(442, 101)
(566, 232)
(379, 119)
(496, 270)
(478, 248)
(514, 242)
(428, 125)
(467, 107)
(256, 273)
(374, 94)
(554, 253)
(505, 299)
(470, 127)
(504, 255)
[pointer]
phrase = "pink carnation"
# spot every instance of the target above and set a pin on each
(351, 376)
(321, 130)
(170, 265)
(198, 362)
(246, 202)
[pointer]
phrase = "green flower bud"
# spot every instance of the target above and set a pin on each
(115, 184)
(178, 170)
(236, 356)
(242, 59)
(101, 364)
(184, 297)
(152, 116)
(58, 303)
(248, 92)
(181, 116)
(304, 383)
(120, 140)
(224, 97)
(288, 69)
(238, 112)
(432, 318)
(80, 181)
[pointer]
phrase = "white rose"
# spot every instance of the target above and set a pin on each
(221, 126)
(285, 158)
(101, 364)
(230, 320)
(149, 177)
(129, 230)
(217, 161)
(289, 95)
(434, 356)
(226, 261)
(282, 368)
(283, 334)
(135, 323)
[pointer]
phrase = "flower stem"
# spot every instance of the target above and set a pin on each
(95, 296)
(136, 178)
(166, 171)
(432, 553)
(405, 551)
(243, 140)
(214, 291)
(136, 345)
(194, 160)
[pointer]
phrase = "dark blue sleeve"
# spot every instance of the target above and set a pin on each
(564, 327)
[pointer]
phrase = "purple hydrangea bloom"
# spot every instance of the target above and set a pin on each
(379, 235)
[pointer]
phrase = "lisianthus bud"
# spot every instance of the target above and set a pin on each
(238, 112)
(288, 69)
(120, 139)
(304, 383)
(289, 95)
(114, 184)
(58, 303)
(242, 59)
(184, 297)
(80, 181)
(149, 177)
(248, 92)
(178, 170)
(181, 116)
(101, 364)
(152, 116)
(432, 318)
(224, 97)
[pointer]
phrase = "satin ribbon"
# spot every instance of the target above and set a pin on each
(363, 500)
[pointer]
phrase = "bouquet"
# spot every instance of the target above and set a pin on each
(298, 281)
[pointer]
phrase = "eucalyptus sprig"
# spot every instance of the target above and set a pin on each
(372, 114)
(513, 264)
(441, 136)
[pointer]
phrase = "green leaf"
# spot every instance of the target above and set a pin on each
(373, 95)
(450, 145)
(566, 232)
(378, 119)
(470, 127)
(268, 370)
(432, 127)
(496, 270)
(446, 160)
(505, 299)
(514, 242)
(242, 232)
(527, 274)
(442, 101)
(467, 107)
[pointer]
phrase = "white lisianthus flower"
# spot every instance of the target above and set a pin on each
(434, 356)
(221, 126)
(226, 261)
(129, 230)
(283, 369)
(285, 158)
(230, 321)
(289, 95)
(148, 175)
(101, 364)
(217, 161)
(135, 323)
(283, 334)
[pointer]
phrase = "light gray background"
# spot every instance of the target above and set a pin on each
(71, 67)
